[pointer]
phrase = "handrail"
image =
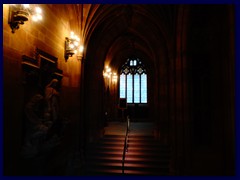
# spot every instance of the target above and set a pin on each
(125, 149)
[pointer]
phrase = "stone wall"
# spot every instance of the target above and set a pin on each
(49, 36)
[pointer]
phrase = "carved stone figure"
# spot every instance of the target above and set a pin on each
(44, 126)
(51, 98)
(36, 129)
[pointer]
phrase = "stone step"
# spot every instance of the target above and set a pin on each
(118, 159)
(145, 155)
(128, 172)
(118, 165)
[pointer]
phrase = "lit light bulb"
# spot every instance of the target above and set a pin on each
(38, 10)
(71, 46)
(72, 35)
(39, 16)
(108, 69)
(75, 37)
(26, 5)
(81, 49)
(75, 43)
(34, 18)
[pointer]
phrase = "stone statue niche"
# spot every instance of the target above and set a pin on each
(43, 123)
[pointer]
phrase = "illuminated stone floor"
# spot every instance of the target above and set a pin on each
(136, 128)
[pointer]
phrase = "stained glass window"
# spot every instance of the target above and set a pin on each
(133, 82)
(122, 86)
(129, 88)
(136, 88)
(144, 88)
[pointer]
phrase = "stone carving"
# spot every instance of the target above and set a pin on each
(44, 126)
(52, 102)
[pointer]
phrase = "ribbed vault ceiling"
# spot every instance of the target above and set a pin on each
(116, 32)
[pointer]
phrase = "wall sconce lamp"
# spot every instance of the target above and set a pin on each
(107, 72)
(80, 54)
(19, 13)
(112, 76)
(72, 46)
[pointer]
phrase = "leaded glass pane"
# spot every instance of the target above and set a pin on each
(131, 63)
(135, 62)
(143, 88)
(140, 70)
(129, 88)
(133, 82)
(126, 70)
(122, 87)
(136, 88)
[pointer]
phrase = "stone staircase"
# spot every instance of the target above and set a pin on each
(145, 156)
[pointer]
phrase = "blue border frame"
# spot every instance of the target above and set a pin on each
(237, 75)
(126, 1)
(1, 105)
(237, 87)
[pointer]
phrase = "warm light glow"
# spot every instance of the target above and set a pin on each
(71, 46)
(26, 5)
(39, 16)
(34, 18)
(76, 43)
(114, 77)
(81, 49)
(76, 37)
(16, 17)
(72, 35)
(38, 10)
(108, 69)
